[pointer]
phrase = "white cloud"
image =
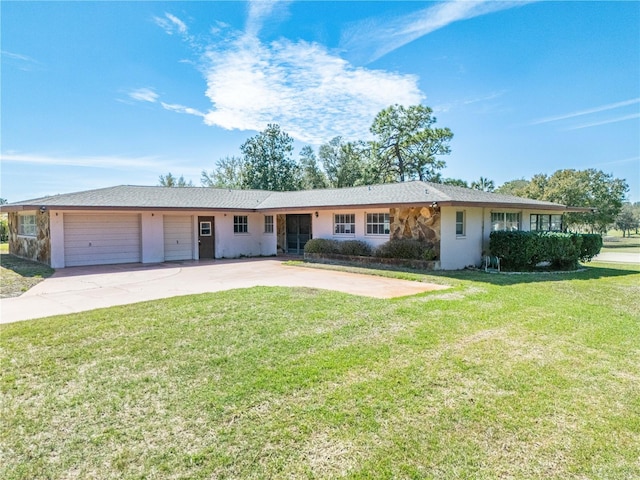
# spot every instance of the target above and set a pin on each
(144, 95)
(259, 10)
(171, 24)
(373, 38)
(312, 94)
(589, 111)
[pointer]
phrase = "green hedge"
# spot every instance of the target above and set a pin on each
(322, 245)
(407, 249)
(524, 250)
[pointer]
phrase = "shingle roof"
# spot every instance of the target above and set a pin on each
(126, 196)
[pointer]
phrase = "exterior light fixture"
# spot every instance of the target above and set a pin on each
(316, 214)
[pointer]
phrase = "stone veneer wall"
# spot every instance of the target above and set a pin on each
(419, 223)
(281, 228)
(36, 248)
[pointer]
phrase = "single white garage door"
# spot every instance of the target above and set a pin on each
(101, 239)
(178, 238)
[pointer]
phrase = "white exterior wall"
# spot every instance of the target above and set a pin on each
(56, 228)
(251, 244)
(227, 244)
(322, 227)
(457, 252)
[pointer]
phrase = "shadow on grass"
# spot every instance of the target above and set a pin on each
(23, 267)
(586, 272)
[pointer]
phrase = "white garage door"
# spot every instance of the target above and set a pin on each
(178, 238)
(101, 239)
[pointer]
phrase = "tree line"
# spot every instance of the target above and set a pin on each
(407, 145)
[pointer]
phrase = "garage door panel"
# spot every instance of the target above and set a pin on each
(178, 238)
(102, 239)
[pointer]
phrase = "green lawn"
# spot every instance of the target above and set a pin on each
(533, 376)
(18, 275)
(616, 243)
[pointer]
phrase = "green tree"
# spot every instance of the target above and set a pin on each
(627, 219)
(345, 163)
(456, 182)
(589, 188)
(483, 184)
(268, 162)
(407, 144)
(228, 173)
(517, 187)
(312, 175)
(3, 201)
(169, 180)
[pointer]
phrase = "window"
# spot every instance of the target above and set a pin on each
(27, 225)
(546, 223)
(505, 221)
(377, 224)
(240, 224)
(344, 223)
(268, 224)
(205, 229)
(460, 225)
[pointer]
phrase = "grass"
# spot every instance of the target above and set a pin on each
(617, 243)
(18, 275)
(502, 376)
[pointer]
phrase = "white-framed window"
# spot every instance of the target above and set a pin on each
(377, 224)
(546, 223)
(344, 223)
(268, 224)
(27, 225)
(205, 229)
(461, 228)
(240, 224)
(508, 221)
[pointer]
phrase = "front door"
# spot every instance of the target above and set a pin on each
(205, 237)
(298, 233)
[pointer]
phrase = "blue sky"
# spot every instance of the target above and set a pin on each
(96, 94)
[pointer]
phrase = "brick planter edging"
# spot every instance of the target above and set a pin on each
(400, 262)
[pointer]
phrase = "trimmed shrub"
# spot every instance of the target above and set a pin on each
(355, 248)
(322, 245)
(524, 250)
(591, 245)
(406, 248)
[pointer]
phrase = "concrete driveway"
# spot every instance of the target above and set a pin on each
(79, 289)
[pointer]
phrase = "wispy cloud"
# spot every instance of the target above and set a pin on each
(370, 39)
(23, 62)
(259, 11)
(171, 24)
(144, 95)
(589, 111)
(182, 109)
(605, 122)
(109, 162)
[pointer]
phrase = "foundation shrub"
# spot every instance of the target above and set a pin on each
(524, 250)
(406, 248)
(591, 246)
(355, 248)
(322, 245)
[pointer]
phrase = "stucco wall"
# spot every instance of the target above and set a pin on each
(322, 226)
(459, 251)
(36, 248)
